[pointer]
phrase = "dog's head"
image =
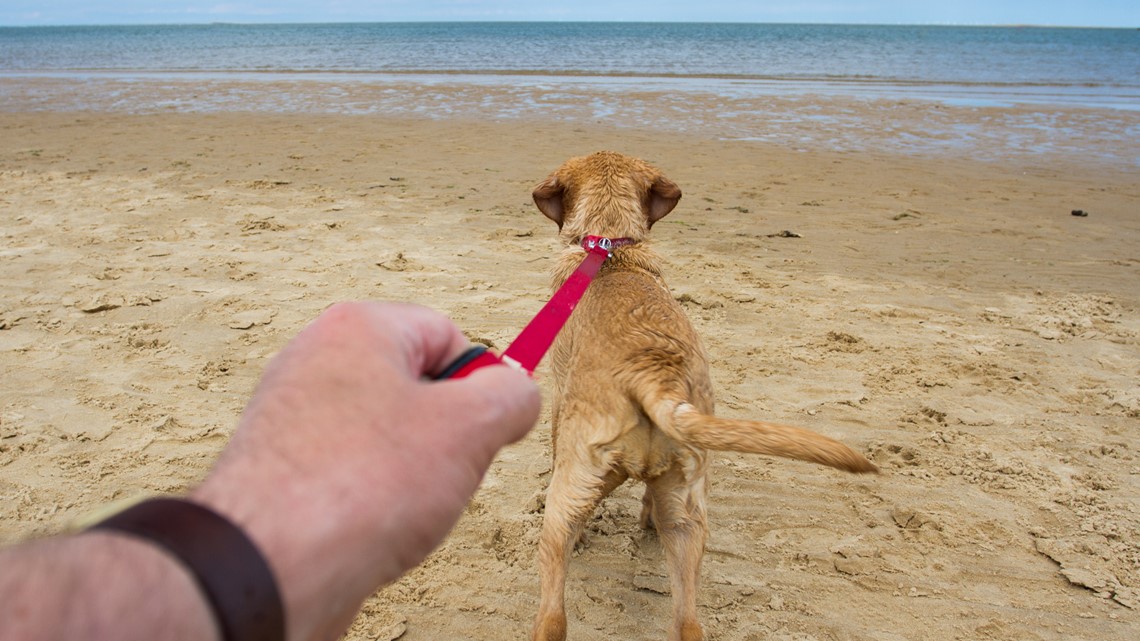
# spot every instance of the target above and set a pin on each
(606, 194)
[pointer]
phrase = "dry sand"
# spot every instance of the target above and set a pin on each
(947, 316)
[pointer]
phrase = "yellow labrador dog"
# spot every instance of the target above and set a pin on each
(632, 396)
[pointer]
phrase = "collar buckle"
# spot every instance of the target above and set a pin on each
(592, 243)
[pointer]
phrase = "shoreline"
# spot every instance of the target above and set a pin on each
(1041, 95)
(812, 121)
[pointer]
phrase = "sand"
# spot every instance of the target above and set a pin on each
(948, 316)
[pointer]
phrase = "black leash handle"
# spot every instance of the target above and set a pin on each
(475, 357)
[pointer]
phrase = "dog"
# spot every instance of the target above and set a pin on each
(632, 397)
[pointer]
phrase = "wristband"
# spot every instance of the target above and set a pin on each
(231, 572)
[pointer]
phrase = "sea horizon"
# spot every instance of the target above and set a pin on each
(996, 25)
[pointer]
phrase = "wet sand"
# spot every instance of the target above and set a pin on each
(945, 314)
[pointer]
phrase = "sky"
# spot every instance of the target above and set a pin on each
(1090, 13)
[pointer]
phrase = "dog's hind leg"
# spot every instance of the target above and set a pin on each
(573, 495)
(678, 511)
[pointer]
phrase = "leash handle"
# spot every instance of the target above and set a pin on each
(474, 358)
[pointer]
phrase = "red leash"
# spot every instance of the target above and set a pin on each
(536, 338)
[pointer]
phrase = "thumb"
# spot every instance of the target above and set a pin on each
(497, 404)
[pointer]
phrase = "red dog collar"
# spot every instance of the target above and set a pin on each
(608, 244)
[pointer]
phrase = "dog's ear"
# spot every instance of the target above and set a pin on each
(663, 197)
(548, 196)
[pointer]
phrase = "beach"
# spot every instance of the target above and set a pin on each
(938, 308)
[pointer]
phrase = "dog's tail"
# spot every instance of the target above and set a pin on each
(683, 422)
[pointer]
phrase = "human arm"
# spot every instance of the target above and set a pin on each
(348, 468)
(98, 586)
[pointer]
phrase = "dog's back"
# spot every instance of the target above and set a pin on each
(628, 341)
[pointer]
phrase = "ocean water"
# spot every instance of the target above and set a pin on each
(1100, 66)
(720, 79)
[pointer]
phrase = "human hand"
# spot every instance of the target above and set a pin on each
(348, 467)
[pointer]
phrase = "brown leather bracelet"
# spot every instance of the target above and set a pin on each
(232, 573)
